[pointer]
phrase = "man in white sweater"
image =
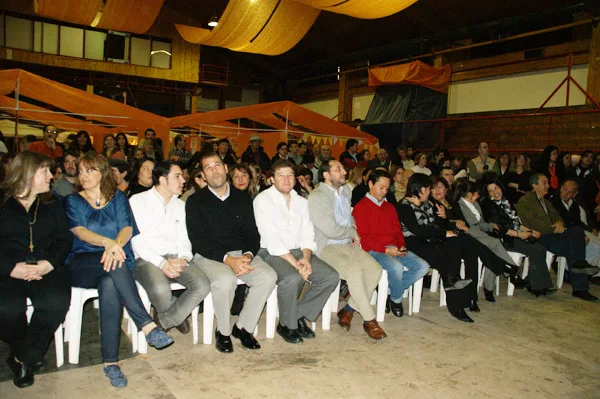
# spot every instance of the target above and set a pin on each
(163, 250)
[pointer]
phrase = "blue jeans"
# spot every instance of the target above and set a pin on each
(115, 289)
(399, 280)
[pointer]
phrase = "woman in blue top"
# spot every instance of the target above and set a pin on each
(102, 222)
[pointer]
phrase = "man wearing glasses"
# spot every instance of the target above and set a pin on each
(48, 146)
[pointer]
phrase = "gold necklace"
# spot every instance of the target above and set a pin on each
(31, 223)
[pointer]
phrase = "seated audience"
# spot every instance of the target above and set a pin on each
(287, 241)
(466, 194)
(398, 186)
(180, 151)
(421, 164)
(101, 257)
(195, 183)
(458, 165)
(224, 151)
(404, 159)
(439, 247)
(339, 244)
(225, 241)
(550, 165)
(82, 144)
(482, 164)
(110, 149)
(141, 180)
(120, 170)
(48, 146)
(381, 160)
(294, 156)
(304, 185)
(257, 182)
(354, 178)
(447, 173)
(66, 184)
(324, 155)
(381, 236)
(517, 180)
(351, 158)
(240, 176)
(282, 152)
(123, 145)
(255, 153)
(309, 162)
(588, 178)
(163, 250)
(34, 243)
(539, 214)
(566, 202)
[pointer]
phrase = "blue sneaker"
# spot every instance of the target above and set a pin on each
(116, 377)
(158, 338)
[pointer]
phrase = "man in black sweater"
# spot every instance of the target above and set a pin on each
(225, 240)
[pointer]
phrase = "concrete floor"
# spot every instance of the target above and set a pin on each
(519, 347)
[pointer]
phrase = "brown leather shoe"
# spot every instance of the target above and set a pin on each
(373, 330)
(345, 319)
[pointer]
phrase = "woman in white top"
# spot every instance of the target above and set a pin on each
(421, 164)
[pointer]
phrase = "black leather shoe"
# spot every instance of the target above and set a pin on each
(397, 308)
(223, 342)
(537, 293)
(288, 335)
(455, 283)
(248, 341)
(583, 267)
(22, 374)
(387, 305)
(518, 282)
(489, 295)
(462, 316)
(474, 307)
(304, 331)
(585, 295)
(549, 291)
(38, 367)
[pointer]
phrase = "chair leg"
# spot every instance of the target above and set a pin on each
(208, 319)
(382, 293)
(442, 294)
(195, 324)
(58, 344)
(435, 278)
(416, 298)
(74, 322)
(271, 314)
(560, 271)
(330, 305)
(142, 344)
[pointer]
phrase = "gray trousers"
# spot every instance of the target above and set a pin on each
(323, 280)
(361, 272)
(223, 283)
(172, 311)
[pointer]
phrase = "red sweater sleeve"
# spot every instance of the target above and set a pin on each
(396, 227)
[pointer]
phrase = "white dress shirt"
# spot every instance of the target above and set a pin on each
(162, 227)
(282, 229)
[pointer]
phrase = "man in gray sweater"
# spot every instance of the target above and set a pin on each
(338, 244)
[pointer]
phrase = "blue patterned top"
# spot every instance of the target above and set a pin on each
(107, 222)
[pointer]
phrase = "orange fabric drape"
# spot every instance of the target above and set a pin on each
(135, 16)
(414, 73)
(304, 122)
(91, 106)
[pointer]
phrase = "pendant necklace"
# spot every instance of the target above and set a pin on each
(31, 223)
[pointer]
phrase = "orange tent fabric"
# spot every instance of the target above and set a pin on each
(414, 73)
(82, 103)
(302, 123)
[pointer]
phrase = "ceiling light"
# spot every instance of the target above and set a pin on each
(213, 21)
(160, 51)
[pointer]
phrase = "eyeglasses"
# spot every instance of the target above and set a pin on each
(51, 131)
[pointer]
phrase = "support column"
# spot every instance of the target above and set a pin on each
(593, 81)
(344, 99)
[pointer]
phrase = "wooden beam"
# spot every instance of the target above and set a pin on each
(593, 81)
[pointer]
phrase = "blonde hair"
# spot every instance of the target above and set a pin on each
(19, 178)
(355, 175)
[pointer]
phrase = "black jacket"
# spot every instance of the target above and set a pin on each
(248, 157)
(572, 216)
(216, 227)
(493, 213)
(52, 238)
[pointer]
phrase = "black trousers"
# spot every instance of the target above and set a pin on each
(539, 275)
(446, 258)
(50, 297)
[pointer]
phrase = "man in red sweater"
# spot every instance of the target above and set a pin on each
(381, 235)
(48, 146)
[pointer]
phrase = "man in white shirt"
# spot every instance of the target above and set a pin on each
(287, 241)
(163, 250)
(338, 244)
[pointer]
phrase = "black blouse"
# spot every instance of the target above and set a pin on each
(52, 238)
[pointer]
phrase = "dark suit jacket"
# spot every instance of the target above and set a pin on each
(572, 216)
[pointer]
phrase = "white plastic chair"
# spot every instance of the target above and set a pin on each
(208, 316)
(330, 306)
(380, 297)
(561, 267)
(58, 336)
(139, 340)
(74, 319)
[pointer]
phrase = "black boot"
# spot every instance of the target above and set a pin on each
(489, 295)
(474, 307)
(515, 279)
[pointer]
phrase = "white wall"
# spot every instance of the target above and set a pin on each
(518, 91)
(328, 108)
